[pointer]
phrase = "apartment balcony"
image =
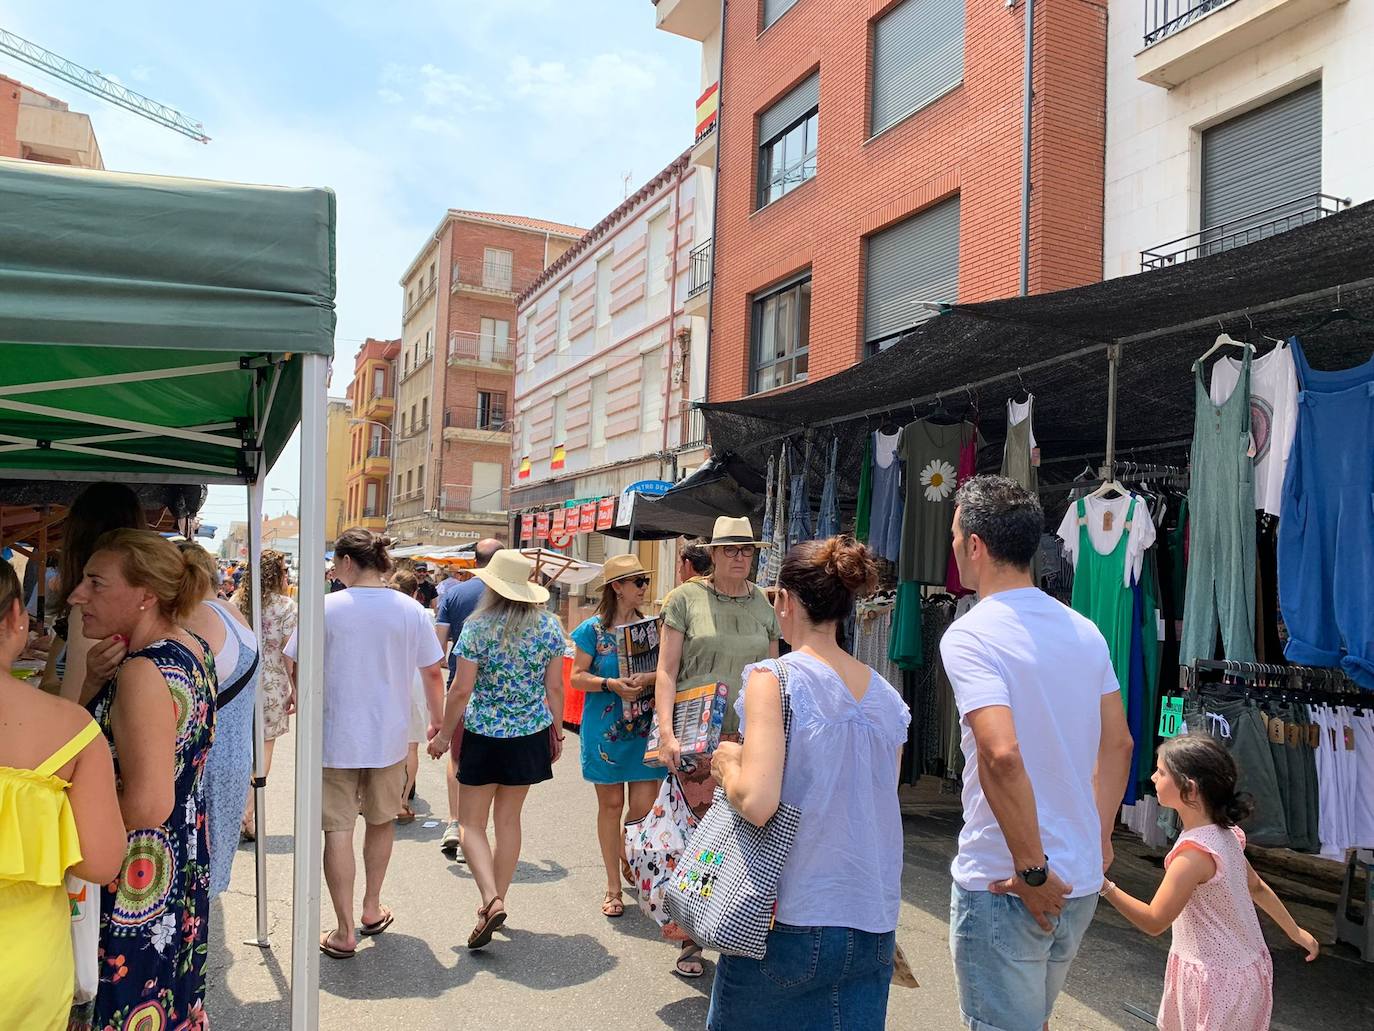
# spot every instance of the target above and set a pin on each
(698, 298)
(47, 131)
(693, 425)
(377, 465)
(1184, 38)
(378, 408)
(484, 277)
(1258, 225)
(424, 295)
(478, 426)
(477, 351)
(693, 19)
(708, 112)
(457, 502)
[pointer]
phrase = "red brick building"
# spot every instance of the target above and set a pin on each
(455, 372)
(870, 159)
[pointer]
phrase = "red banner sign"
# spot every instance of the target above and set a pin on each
(541, 526)
(527, 526)
(572, 520)
(605, 513)
(556, 527)
(588, 522)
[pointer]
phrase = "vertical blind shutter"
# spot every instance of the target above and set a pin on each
(790, 108)
(1266, 157)
(915, 260)
(918, 53)
(775, 9)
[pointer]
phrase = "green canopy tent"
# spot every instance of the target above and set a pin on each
(175, 330)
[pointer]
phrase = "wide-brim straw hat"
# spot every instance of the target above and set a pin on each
(621, 567)
(508, 574)
(730, 530)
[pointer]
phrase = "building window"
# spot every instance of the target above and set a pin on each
(564, 318)
(429, 343)
(420, 478)
(493, 340)
(424, 412)
(918, 56)
(914, 261)
(787, 141)
(782, 335)
(410, 480)
(403, 425)
(491, 410)
(651, 391)
(560, 419)
(603, 291)
(378, 382)
(657, 265)
(399, 491)
(371, 509)
(496, 269)
(775, 9)
(375, 448)
(527, 342)
(597, 414)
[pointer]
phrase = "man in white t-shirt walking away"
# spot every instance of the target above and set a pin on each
(374, 641)
(1047, 751)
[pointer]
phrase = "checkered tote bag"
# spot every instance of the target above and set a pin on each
(726, 883)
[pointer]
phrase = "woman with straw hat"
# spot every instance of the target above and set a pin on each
(714, 627)
(509, 684)
(612, 745)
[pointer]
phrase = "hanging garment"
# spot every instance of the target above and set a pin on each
(828, 520)
(885, 526)
(1108, 520)
(1362, 809)
(1135, 694)
(1273, 416)
(799, 526)
(934, 694)
(968, 465)
(1099, 591)
(1020, 454)
(777, 542)
(904, 648)
(1221, 573)
(930, 453)
(1326, 535)
(1150, 642)
(769, 513)
(863, 504)
(1239, 727)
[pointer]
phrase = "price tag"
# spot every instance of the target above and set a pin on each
(1277, 732)
(1171, 717)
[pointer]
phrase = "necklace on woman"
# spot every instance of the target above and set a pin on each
(711, 585)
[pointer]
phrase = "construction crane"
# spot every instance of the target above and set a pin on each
(100, 86)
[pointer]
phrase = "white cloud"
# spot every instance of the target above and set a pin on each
(436, 126)
(587, 88)
(390, 96)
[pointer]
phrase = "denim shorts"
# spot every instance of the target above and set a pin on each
(820, 978)
(1009, 970)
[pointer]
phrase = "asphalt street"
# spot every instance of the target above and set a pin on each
(560, 964)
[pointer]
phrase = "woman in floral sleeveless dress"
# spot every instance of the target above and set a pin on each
(154, 916)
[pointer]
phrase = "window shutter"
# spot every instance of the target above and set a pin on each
(918, 53)
(915, 260)
(790, 108)
(775, 9)
(1265, 158)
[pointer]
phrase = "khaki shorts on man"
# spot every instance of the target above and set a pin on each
(373, 793)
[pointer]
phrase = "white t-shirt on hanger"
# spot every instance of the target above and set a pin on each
(1273, 416)
(1103, 540)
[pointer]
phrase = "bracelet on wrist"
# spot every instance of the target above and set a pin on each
(1107, 888)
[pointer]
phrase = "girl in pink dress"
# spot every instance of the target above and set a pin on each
(1219, 976)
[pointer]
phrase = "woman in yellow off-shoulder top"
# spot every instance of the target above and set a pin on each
(58, 813)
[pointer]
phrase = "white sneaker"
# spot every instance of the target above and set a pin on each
(451, 843)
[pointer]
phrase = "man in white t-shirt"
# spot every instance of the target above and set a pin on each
(1047, 752)
(375, 639)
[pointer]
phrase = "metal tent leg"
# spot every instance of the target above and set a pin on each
(1109, 461)
(255, 495)
(307, 873)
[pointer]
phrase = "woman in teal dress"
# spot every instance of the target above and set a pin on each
(612, 744)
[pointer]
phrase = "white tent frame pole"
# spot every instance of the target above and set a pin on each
(305, 912)
(121, 377)
(126, 456)
(266, 412)
(120, 424)
(110, 438)
(256, 489)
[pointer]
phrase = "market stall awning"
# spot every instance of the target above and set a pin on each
(692, 507)
(150, 326)
(972, 358)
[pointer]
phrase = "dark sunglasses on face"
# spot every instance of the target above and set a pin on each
(639, 581)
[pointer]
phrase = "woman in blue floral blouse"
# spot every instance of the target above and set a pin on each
(612, 744)
(509, 683)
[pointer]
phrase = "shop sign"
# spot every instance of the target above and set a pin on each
(572, 520)
(605, 513)
(556, 526)
(653, 488)
(541, 526)
(527, 526)
(578, 502)
(588, 521)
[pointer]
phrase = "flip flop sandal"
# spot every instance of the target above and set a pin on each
(690, 954)
(332, 952)
(406, 815)
(613, 905)
(489, 922)
(381, 925)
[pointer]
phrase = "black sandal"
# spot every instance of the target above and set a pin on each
(487, 924)
(691, 953)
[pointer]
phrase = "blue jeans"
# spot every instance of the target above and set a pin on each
(1009, 970)
(821, 978)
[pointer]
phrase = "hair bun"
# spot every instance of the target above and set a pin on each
(1239, 807)
(851, 562)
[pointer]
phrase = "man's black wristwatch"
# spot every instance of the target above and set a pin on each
(1036, 876)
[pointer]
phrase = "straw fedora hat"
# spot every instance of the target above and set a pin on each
(508, 574)
(621, 567)
(733, 531)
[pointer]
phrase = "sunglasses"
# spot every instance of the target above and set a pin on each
(639, 581)
(737, 550)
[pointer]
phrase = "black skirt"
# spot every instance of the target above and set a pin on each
(508, 761)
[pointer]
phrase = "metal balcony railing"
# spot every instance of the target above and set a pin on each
(699, 270)
(456, 500)
(371, 512)
(379, 449)
(466, 347)
(485, 275)
(1165, 17)
(1237, 232)
(693, 428)
(480, 418)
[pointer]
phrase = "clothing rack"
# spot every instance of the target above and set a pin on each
(1268, 669)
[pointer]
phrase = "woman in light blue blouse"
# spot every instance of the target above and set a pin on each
(509, 683)
(838, 899)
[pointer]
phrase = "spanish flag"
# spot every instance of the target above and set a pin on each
(560, 455)
(524, 472)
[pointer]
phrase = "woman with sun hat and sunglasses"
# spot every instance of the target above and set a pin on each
(714, 627)
(613, 746)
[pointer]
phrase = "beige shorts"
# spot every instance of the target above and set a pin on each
(375, 794)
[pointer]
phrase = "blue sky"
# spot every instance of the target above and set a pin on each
(535, 107)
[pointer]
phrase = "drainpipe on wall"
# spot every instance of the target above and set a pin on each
(672, 304)
(1026, 148)
(715, 201)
